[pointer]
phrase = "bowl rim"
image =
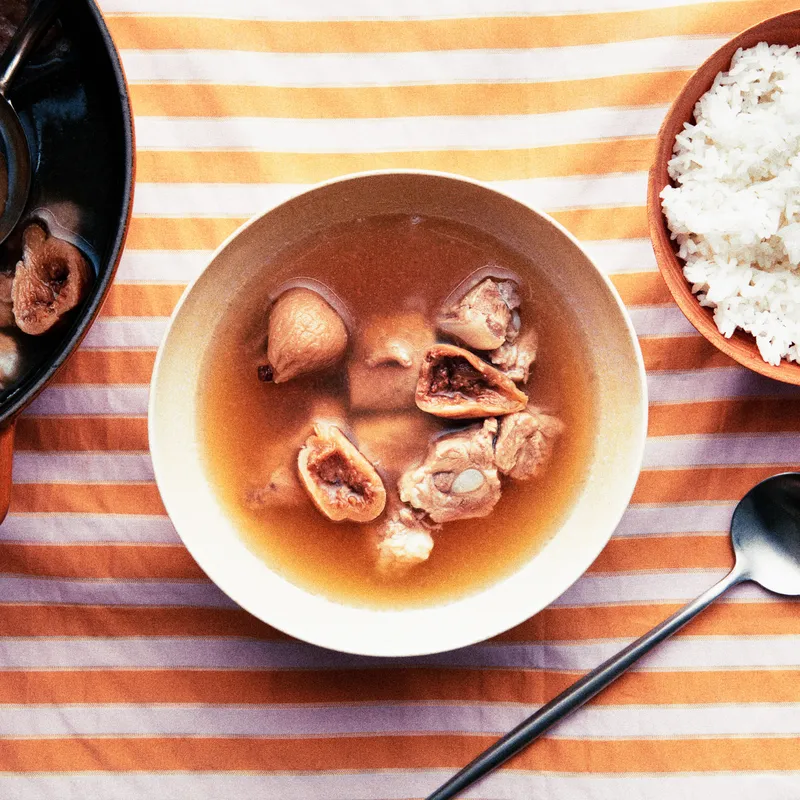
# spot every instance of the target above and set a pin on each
(741, 347)
(482, 628)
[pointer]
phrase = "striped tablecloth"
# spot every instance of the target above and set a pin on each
(126, 674)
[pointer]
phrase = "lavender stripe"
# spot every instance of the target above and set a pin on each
(689, 653)
(595, 722)
(660, 321)
(15, 589)
(63, 528)
(653, 520)
(92, 467)
(123, 400)
(722, 449)
(714, 384)
(396, 784)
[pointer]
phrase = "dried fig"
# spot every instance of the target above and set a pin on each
(340, 481)
(52, 278)
(10, 360)
(455, 383)
(306, 335)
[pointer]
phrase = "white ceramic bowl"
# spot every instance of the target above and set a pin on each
(212, 538)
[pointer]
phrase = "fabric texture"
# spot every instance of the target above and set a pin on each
(127, 674)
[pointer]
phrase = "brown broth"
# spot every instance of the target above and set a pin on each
(379, 266)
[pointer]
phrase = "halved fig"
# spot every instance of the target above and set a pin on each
(525, 443)
(482, 317)
(305, 335)
(455, 383)
(52, 279)
(339, 479)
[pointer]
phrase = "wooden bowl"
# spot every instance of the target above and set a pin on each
(783, 29)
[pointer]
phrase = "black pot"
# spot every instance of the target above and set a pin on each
(74, 105)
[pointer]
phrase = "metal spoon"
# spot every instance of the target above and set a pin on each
(16, 184)
(765, 531)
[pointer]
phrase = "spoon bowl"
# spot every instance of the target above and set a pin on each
(765, 533)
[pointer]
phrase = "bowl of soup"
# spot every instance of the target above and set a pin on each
(397, 414)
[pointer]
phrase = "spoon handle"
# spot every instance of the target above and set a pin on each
(580, 692)
(25, 38)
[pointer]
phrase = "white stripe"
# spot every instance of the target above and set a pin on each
(655, 520)
(161, 266)
(246, 199)
(183, 266)
(722, 449)
(256, 721)
(660, 453)
(63, 528)
(653, 587)
(398, 784)
(190, 652)
(321, 10)
(395, 134)
(106, 467)
(714, 384)
(133, 332)
(79, 400)
(661, 321)
(622, 255)
(236, 67)
(663, 387)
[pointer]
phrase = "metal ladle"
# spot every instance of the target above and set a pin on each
(13, 142)
(765, 531)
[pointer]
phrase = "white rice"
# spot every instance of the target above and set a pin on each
(735, 209)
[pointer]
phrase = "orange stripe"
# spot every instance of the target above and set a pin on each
(642, 288)
(681, 352)
(100, 498)
(745, 415)
(167, 562)
(204, 233)
(119, 561)
(85, 754)
(700, 483)
(233, 166)
(663, 553)
(81, 433)
(223, 100)
(142, 300)
(552, 624)
(368, 36)
(108, 366)
(407, 685)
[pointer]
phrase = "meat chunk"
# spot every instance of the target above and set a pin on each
(455, 383)
(483, 315)
(383, 372)
(525, 443)
(458, 479)
(403, 541)
(340, 481)
(515, 356)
